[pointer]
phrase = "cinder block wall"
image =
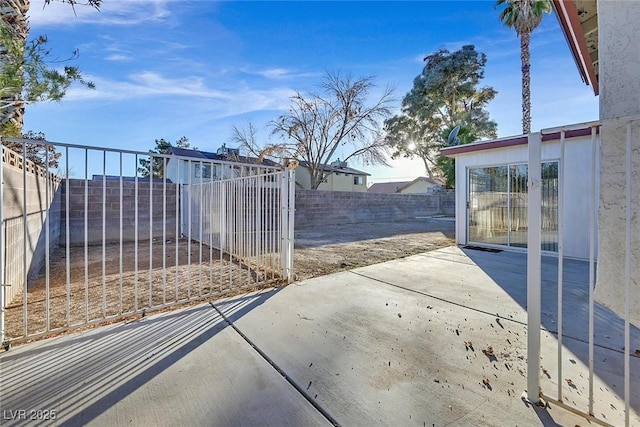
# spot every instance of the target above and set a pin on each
(42, 206)
(341, 207)
(95, 205)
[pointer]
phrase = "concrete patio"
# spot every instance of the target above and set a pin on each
(398, 343)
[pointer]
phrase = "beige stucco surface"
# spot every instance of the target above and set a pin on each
(418, 187)
(619, 47)
(334, 182)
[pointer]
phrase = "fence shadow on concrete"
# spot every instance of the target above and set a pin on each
(608, 326)
(83, 376)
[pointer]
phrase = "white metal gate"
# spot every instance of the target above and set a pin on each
(94, 239)
(597, 373)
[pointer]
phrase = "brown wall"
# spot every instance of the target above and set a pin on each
(111, 207)
(342, 207)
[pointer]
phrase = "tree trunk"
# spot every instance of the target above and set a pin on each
(525, 56)
(427, 168)
(316, 178)
(17, 21)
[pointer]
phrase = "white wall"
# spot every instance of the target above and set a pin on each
(576, 196)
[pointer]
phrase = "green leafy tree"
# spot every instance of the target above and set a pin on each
(154, 166)
(41, 154)
(26, 77)
(26, 74)
(445, 94)
(317, 124)
(524, 16)
(447, 166)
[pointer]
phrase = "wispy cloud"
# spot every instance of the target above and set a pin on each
(111, 13)
(222, 103)
(117, 57)
(279, 73)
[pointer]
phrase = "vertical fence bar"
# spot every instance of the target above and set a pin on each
(86, 234)
(177, 236)
(260, 227)
(152, 162)
(190, 197)
(164, 230)
(47, 231)
(627, 279)
(243, 225)
(534, 268)
(223, 229)
(283, 224)
(135, 237)
(273, 237)
(200, 214)
(291, 195)
(210, 228)
(121, 238)
(67, 238)
(104, 233)
(592, 275)
(25, 236)
(3, 275)
(231, 225)
(561, 190)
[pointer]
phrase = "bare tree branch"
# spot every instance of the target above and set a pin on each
(340, 116)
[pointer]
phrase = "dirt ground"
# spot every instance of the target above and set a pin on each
(115, 287)
(328, 249)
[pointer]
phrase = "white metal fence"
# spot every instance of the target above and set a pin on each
(591, 372)
(111, 242)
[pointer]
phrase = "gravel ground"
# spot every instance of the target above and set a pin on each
(318, 251)
(328, 249)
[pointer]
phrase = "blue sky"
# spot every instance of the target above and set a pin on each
(168, 68)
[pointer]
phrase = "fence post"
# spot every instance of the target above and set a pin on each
(2, 239)
(291, 221)
(534, 266)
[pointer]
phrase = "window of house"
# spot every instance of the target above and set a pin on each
(202, 171)
(358, 180)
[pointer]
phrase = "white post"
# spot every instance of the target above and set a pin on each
(534, 267)
(2, 237)
(284, 216)
(290, 232)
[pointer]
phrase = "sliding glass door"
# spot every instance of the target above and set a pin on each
(497, 203)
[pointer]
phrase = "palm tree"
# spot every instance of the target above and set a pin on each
(524, 16)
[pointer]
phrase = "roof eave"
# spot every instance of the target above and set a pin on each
(568, 17)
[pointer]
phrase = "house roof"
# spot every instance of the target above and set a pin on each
(339, 169)
(205, 155)
(434, 181)
(513, 140)
(579, 22)
(398, 186)
(387, 187)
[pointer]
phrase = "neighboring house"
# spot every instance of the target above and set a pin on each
(420, 185)
(387, 187)
(338, 176)
(194, 166)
